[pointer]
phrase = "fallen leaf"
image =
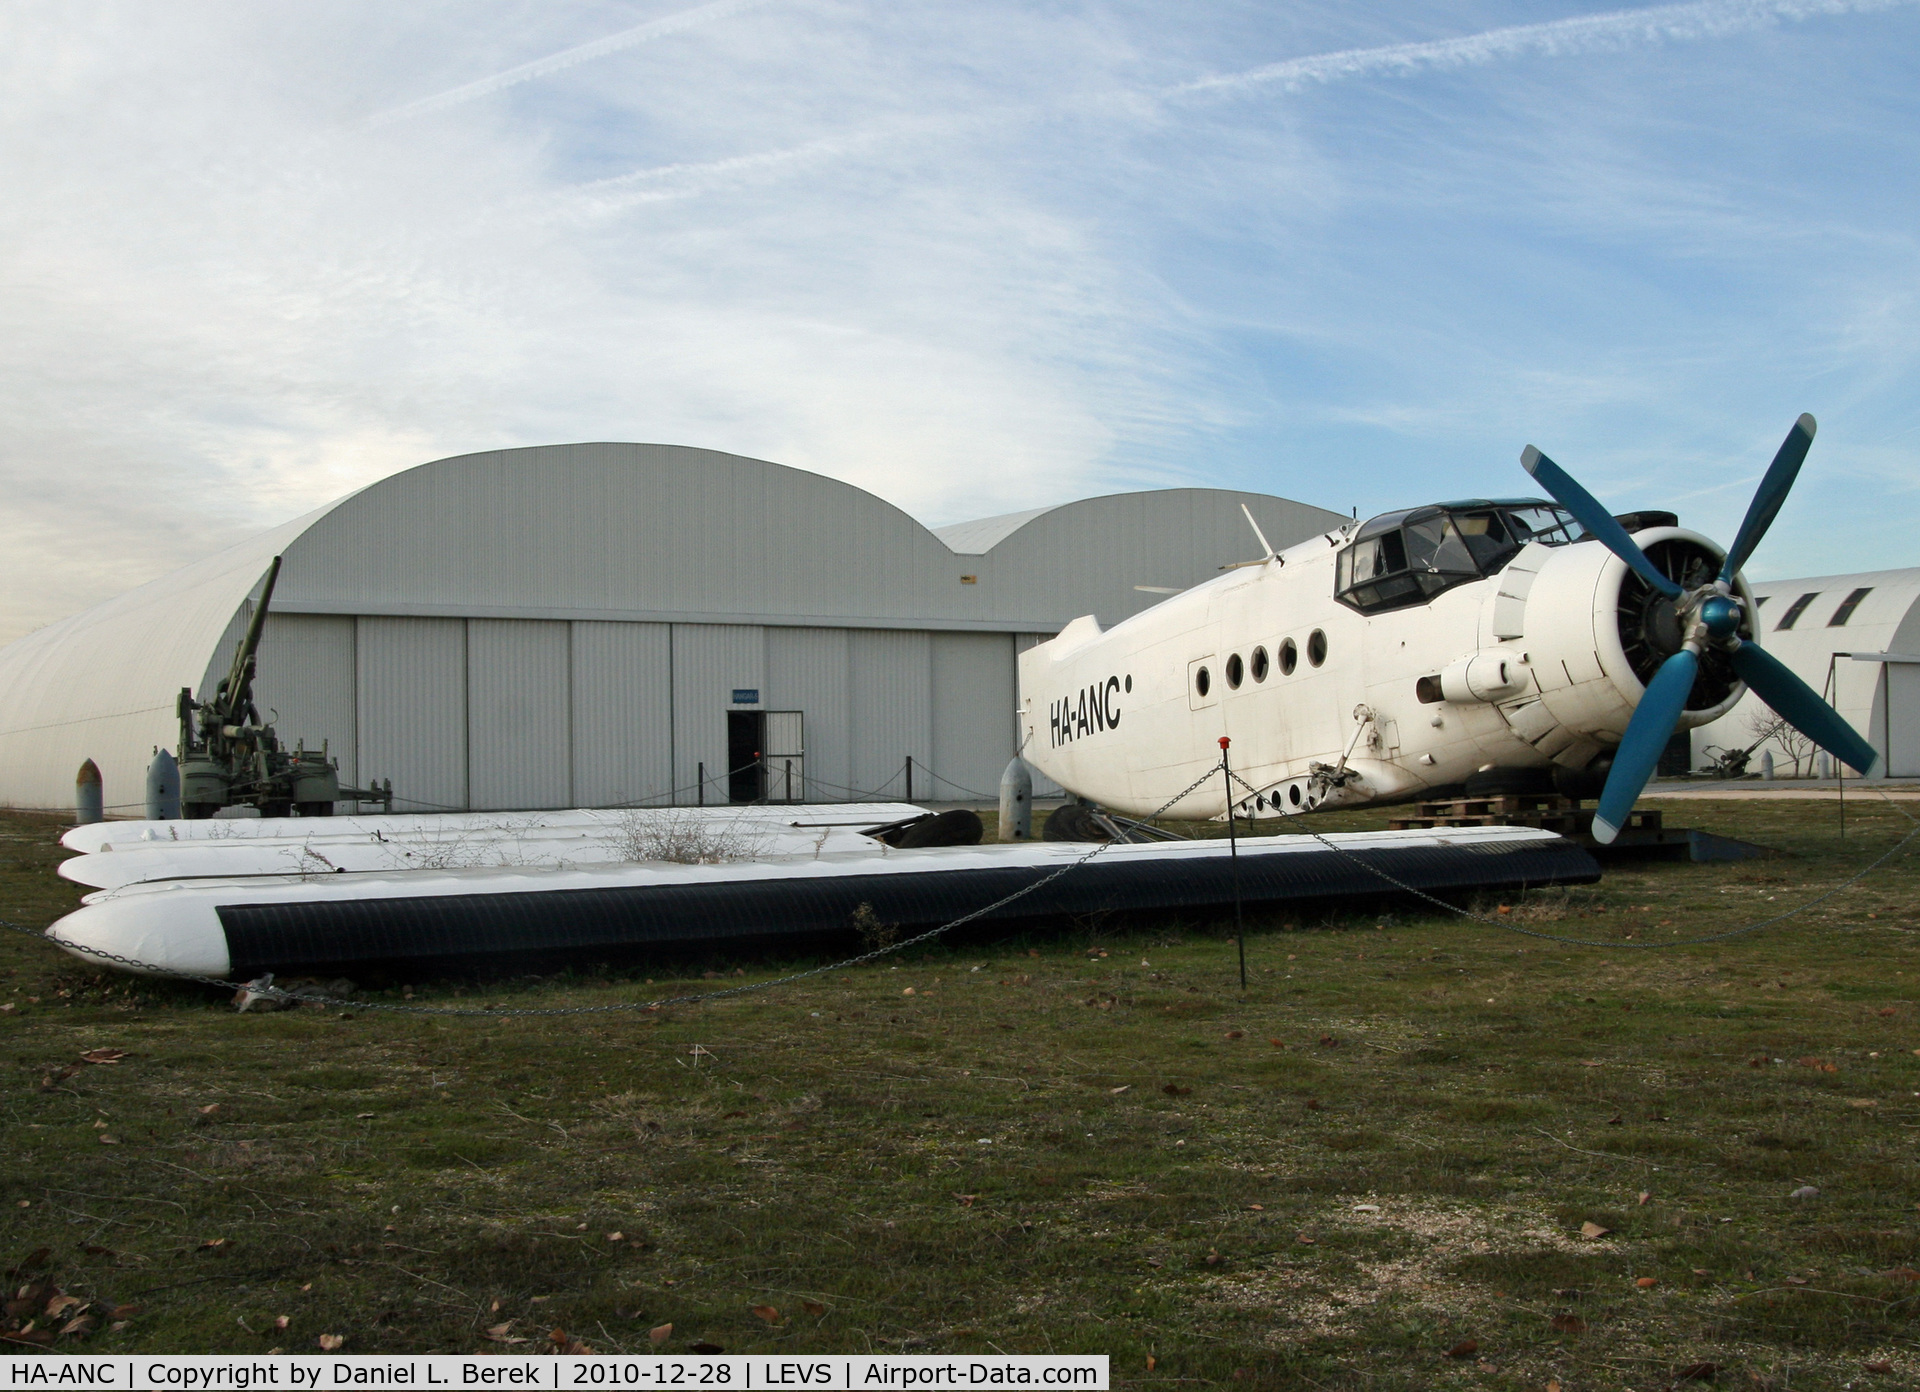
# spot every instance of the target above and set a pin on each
(1313, 1104)
(907, 992)
(329, 1342)
(282, 1321)
(1236, 1034)
(209, 1109)
(1795, 1280)
(659, 1334)
(813, 1307)
(1552, 1386)
(103, 1055)
(1805, 1191)
(1862, 1102)
(767, 1313)
(1877, 1367)
(1568, 1324)
(1115, 1092)
(105, 1139)
(1175, 1090)
(1257, 1207)
(94, 1249)
(966, 1200)
(1592, 1231)
(213, 1244)
(1276, 1044)
(1152, 1362)
(1701, 1271)
(1466, 1348)
(61, 1303)
(79, 1326)
(1901, 1273)
(501, 1334)
(124, 1312)
(1329, 1041)
(1647, 1282)
(1615, 1120)
(1642, 1198)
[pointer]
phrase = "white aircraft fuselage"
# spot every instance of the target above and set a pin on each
(1373, 663)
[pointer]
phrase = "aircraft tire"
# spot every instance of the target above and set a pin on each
(958, 826)
(1071, 822)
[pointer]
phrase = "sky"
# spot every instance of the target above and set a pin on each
(974, 258)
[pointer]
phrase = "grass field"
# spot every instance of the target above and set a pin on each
(1371, 1170)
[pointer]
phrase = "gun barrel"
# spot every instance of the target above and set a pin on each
(239, 687)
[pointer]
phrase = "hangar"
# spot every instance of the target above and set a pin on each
(616, 624)
(1856, 640)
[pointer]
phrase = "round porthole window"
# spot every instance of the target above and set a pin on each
(1316, 647)
(1289, 657)
(1202, 682)
(1236, 670)
(1259, 664)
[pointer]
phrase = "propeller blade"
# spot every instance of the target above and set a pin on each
(1595, 518)
(1647, 735)
(1803, 709)
(1771, 493)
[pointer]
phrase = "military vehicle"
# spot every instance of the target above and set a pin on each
(229, 757)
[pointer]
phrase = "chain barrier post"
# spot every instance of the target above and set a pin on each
(1233, 844)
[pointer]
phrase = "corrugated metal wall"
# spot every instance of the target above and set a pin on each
(808, 670)
(622, 714)
(973, 716)
(412, 702)
(891, 708)
(306, 690)
(711, 661)
(495, 714)
(519, 714)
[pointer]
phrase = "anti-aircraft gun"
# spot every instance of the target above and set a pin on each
(229, 757)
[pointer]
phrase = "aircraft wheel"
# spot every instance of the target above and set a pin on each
(958, 826)
(1073, 822)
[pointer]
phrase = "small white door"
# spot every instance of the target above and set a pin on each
(1903, 719)
(785, 756)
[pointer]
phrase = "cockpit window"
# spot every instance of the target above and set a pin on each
(1406, 558)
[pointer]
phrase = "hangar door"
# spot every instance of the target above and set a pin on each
(1903, 719)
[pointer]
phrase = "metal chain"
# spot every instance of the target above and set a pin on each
(278, 993)
(1591, 942)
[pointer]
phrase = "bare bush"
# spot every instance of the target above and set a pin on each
(685, 838)
(1763, 724)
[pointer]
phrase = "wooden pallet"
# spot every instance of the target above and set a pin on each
(1547, 811)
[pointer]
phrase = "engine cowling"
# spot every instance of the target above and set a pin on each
(1594, 634)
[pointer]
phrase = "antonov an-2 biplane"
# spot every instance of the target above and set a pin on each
(1497, 640)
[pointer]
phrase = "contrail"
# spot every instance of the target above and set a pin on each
(1616, 29)
(566, 58)
(1705, 19)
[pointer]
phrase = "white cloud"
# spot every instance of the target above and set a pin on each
(974, 258)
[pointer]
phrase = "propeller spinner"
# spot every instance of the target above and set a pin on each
(1709, 617)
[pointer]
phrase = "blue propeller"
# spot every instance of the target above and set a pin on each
(1709, 616)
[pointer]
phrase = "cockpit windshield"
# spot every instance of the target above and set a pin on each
(1406, 558)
